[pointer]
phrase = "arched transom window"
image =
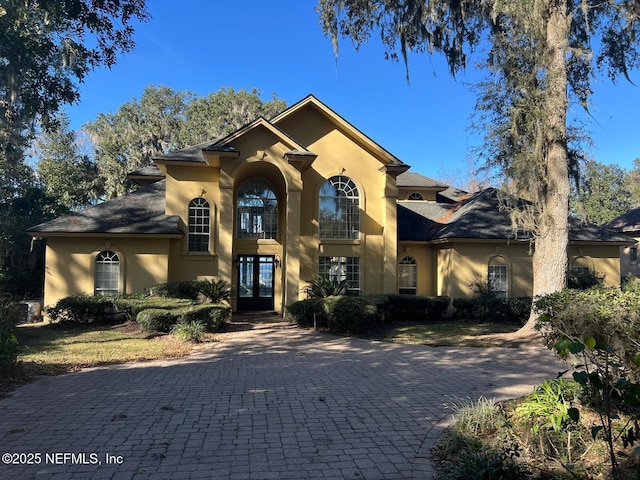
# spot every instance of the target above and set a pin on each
(339, 214)
(107, 273)
(199, 225)
(408, 276)
(257, 210)
(415, 196)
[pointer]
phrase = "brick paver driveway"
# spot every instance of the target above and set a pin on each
(274, 402)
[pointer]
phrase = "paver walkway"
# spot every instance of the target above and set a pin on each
(274, 402)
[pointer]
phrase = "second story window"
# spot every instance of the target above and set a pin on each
(199, 225)
(256, 210)
(339, 214)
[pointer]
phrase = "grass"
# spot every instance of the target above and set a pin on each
(54, 350)
(449, 334)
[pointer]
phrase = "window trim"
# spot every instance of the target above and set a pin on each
(502, 282)
(269, 222)
(201, 211)
(349, 224)
(104, 259)
(410, 287)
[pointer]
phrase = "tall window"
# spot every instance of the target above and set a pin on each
(107, 274)
(199, 225)
(339, 209)
(633, 254)
(498, 280)
(337, 269)
(408, 276)
(257, 210)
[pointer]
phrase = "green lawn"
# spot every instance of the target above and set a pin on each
(449, 334)
(52, 349)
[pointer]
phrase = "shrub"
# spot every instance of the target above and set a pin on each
(189, 331)
(189, 289)
(84, 309)
(216, 291)
(128, 307)
(307, 313)
(9, 347)
(212, 316)
(353, 314)
(584, 280)
(396, 308)
(157, 320)
(322, 287)
(494, 310)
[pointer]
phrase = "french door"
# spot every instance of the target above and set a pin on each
(255, 282)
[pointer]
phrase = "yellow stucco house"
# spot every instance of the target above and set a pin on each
(281, 201)
(628, 224)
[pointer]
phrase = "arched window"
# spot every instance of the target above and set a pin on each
(339, 209)
(415, 196)
(497, 277)
(107, 274)
(199, 225)
(257, 210)
(408, 276)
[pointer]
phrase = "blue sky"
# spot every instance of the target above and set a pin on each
(278, 47)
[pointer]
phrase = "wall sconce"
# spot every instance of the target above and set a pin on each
(277, 261)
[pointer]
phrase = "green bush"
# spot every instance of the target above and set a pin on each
(492, 310)
(212, 316)
(416, 308)
(189, 289)
(322, 287)
(584, 280)
(129, 306)
(353, 314)
(309, 312)
(189, 331)
(216, 291)
(84, 309)
(157, 320)
(9, 346)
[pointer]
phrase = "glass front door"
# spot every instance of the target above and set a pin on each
(255, 282)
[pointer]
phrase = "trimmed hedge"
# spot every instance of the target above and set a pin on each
(160, 320)
(157, 320)
(412, 308)
(189, 289)
(494, 310)
(212, 316)
(130, 306)
(84, 309)
(356, 314)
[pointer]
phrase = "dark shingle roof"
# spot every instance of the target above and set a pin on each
(191, 154)
(480, 217)
(627, 222)
(150, 171)
(412, 179)
(139, 212)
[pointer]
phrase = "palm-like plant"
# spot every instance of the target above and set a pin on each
(322, 287)
(216, 291)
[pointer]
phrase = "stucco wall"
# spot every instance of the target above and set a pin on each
(71, 264)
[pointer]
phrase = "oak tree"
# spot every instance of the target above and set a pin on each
(540, 55)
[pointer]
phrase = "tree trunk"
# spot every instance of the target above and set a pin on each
(550, 260)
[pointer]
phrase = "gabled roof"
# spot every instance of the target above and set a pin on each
(627, 222)
(363, 140)
(261, 122)
(139, 212)
(479, 217)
